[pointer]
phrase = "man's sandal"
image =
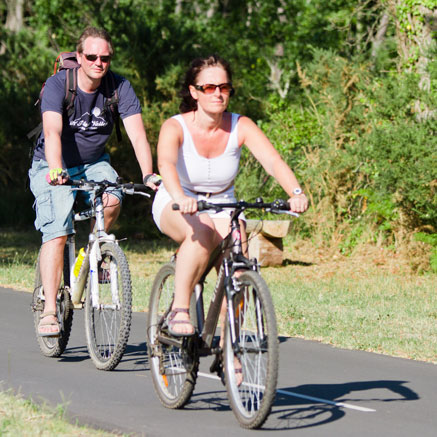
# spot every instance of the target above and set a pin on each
(171, 323)
(238, 372)
(46, 323)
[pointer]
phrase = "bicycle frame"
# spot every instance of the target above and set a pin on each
(233, 259)
(92, 254)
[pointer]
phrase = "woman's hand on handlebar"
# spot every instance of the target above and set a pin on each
(186, 204)
(298, 203)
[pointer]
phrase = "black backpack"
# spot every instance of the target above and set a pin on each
(67, 61)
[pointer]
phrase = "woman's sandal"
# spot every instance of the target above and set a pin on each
(46, 323)
(171, 323)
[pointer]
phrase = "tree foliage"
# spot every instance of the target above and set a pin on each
(346, 90)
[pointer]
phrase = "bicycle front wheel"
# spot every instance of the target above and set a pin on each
(173, 364)
(251, 364)
(54, 346)
(108, 313)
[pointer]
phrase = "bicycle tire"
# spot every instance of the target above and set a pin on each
(173, 368)
(54, 346)
(256, 332)
(107, 326)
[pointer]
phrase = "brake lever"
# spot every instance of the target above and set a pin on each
(283, 211)
(141, 193)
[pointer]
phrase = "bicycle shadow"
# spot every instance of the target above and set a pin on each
(290, 412)
(75, 354)
(134, 355)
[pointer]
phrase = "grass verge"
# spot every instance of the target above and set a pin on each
(370, 300)
(22, 417)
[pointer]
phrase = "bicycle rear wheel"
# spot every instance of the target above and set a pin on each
(54, 346)
(257, 351)
(108, 321)
(173, 366)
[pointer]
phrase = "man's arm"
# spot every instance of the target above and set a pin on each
(52, 125)
(137, 135)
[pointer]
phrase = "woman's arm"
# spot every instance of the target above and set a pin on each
(260, 146)
(170, 139)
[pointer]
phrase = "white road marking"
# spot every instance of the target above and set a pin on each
(208, 375)
(309, 398)
(326, 401)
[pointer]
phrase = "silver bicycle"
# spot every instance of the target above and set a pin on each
(250, 335)
(98, 280)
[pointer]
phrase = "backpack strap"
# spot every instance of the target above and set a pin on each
(112, 99)
(70, 90)
(70, 94)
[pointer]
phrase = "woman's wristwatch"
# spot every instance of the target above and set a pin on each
(297, 191)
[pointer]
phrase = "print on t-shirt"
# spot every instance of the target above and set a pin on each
(89, 121)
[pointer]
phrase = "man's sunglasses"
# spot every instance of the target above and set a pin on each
(209, 88)
(93, 58)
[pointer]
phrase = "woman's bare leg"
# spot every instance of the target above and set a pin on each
(198, 237)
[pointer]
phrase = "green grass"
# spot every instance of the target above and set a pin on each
(370, 302)
(21, 417)
(378, 313)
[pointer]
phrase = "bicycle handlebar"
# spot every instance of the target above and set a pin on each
(278, 206)
(128, 188)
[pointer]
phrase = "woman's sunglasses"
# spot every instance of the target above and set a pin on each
(93, 58)
(209, 88)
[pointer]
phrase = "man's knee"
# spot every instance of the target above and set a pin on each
(111, 201)
(57, 242)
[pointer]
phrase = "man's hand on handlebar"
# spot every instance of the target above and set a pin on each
(57, 176)
(153, 181)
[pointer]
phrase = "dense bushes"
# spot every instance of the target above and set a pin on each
(364, 157)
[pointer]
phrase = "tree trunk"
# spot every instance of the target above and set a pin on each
(380, 34)
(415, 25)
(14, 19)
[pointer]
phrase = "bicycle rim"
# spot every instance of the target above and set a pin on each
(258, 352)
(173, 367)
(108, 321)
(53, 346)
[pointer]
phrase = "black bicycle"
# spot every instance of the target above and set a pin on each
(101, 271)
(250, 333)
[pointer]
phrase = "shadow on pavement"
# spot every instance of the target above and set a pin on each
(304, 413)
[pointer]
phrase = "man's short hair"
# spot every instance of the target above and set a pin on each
(94, 32)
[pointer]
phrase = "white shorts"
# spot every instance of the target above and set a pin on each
(163, 198)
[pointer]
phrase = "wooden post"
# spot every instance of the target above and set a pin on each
(265, 240)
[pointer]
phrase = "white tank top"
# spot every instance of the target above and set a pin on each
(210, 175)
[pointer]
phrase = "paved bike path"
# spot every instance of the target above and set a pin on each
(322, 391)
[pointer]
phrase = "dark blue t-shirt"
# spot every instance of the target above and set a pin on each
(86, 131)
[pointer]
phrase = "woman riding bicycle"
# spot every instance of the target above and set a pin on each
(198, 158)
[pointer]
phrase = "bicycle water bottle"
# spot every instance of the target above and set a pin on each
(78, 262)
(79, 276)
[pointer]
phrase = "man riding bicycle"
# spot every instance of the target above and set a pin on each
(72, 145)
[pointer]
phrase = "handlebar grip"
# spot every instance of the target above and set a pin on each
(175, 207)
(75, 182)
(137, 187)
